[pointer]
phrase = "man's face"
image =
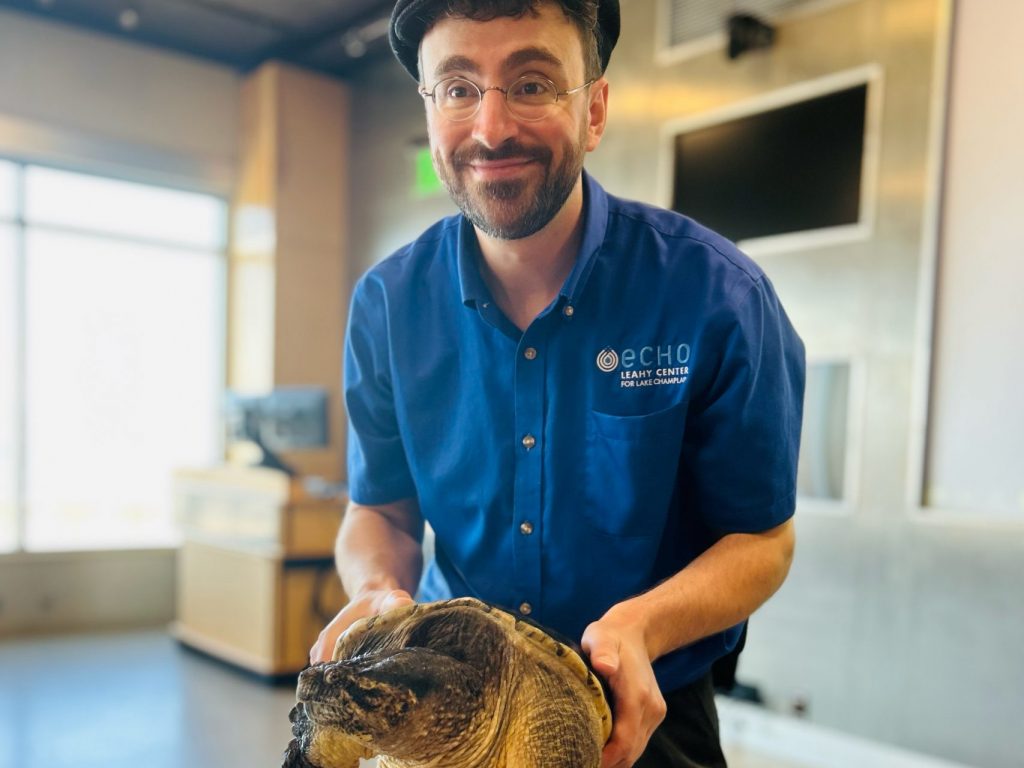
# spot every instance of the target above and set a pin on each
(511, 177)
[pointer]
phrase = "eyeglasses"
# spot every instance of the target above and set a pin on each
(529, 98)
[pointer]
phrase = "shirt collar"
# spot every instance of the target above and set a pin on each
(595, 224)
(471, 282)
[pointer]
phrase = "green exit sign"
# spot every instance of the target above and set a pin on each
(426, 183)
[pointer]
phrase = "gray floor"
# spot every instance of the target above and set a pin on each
(133, 700)
(137, 700)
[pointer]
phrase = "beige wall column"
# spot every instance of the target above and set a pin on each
(288, 286)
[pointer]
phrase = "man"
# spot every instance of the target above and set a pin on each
(594, 403)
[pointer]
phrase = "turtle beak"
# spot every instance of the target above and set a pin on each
(315, 747)
(294, 756)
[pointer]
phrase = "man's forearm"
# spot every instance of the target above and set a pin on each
(378, 548)
(719, 589)
(379, 560)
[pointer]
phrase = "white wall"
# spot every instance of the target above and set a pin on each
(89, 102)
(85, 590)
(977, 447)
(902, 622)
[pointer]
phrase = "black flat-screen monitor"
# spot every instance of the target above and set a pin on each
(285, 419)
(791, 169)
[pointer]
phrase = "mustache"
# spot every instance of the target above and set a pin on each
(510, 150)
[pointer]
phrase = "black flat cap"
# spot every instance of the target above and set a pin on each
(410, 18)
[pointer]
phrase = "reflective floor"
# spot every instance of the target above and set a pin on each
(136, 699)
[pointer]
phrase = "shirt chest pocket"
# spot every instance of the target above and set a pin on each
(630, 470)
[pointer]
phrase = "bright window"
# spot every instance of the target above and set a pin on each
(75, 201)
(8, 190)
(122, 328)
(8, 397)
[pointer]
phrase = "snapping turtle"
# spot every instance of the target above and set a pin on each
(452, 684)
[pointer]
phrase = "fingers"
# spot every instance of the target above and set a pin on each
(637, 702)
(616, 755)
(368, 604)
(603, 649)
(396, 598)
(628, 740)
(323, 648)
(639, 710)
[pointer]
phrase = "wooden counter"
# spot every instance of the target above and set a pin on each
(256, 577)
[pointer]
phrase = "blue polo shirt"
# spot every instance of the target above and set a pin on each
(652, 408)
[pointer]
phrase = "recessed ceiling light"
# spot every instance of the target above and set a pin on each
(128, 19)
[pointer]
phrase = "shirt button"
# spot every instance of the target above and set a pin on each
(529, 353)
(529, 441)
(526, 528)
(525, 608)
(568, 311)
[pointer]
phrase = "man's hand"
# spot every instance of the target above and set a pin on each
(366, 604)
(618, 653)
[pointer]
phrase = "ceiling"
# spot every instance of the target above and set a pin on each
(336, 37)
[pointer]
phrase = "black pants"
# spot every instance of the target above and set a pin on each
(688, 737)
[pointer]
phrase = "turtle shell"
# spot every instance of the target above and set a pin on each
(533, 638)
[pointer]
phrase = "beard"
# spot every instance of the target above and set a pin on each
(508, 209)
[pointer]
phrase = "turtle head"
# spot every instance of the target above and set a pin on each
(316, 747)
(381, 699)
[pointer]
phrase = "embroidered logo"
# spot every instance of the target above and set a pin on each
(651, 365)
(608, 360)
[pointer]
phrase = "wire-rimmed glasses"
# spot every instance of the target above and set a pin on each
(529, 98)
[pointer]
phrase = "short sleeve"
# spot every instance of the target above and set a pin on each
(743, 434)
(378, 472)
